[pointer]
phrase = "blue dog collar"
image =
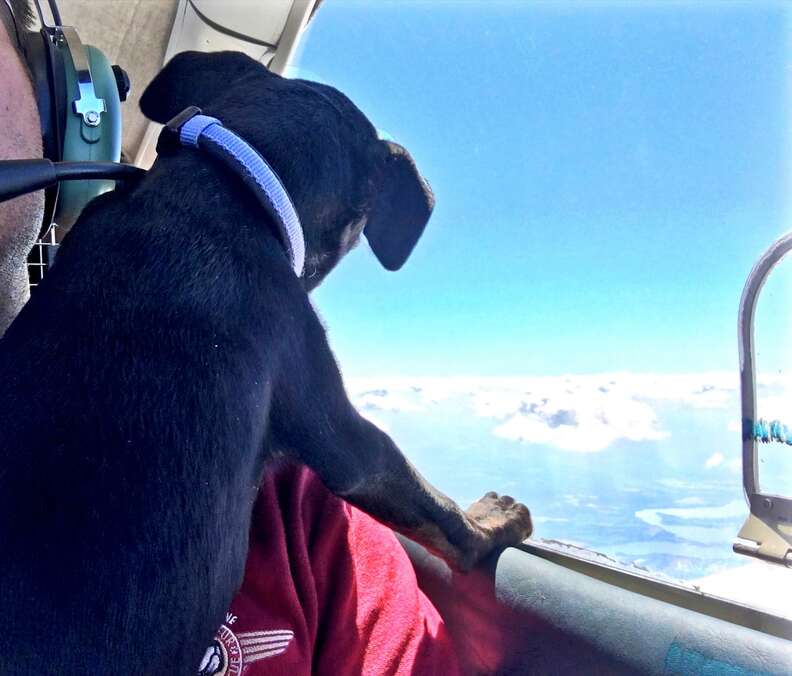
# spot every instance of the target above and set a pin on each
(192, 129)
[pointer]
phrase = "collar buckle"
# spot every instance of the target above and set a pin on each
(169, 139)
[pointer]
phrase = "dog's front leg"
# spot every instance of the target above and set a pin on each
(388, 487)
(312, 417)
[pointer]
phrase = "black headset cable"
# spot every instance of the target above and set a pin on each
(18, 177)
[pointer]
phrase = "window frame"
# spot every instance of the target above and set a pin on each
(767, 532)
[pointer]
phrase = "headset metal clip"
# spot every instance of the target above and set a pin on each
(89, 105)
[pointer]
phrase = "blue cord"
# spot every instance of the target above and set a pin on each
(766, 432)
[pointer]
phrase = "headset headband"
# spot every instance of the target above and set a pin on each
(78, 95)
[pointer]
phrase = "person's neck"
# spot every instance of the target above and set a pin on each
(14, 291)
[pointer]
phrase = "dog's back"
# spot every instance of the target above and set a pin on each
(132, 418)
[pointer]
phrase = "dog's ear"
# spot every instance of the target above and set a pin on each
(400, 210)
(193, 79)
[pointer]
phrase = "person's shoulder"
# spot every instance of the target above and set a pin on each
(294, 494)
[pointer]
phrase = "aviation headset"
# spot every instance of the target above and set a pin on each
(79, 97)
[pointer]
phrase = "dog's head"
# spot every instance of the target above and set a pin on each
(343, 180)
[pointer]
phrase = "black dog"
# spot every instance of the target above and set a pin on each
(167, 355)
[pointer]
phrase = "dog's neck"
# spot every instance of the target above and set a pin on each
(192, 129)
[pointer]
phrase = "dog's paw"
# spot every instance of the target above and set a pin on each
(500, 522)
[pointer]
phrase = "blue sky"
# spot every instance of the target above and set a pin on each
(605, 178)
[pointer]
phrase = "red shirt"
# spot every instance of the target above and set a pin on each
(327, 590)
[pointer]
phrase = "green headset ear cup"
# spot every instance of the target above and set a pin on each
(83, 143)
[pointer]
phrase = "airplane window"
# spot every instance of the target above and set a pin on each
(606, 175)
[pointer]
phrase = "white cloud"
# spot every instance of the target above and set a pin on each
(583, 413)
(698, 390)
(654, 517)
(573, 413)
(715, 460)
(407, 394)
(385, 399)
(549, 519)
(679, 484)
(690, 501)
(584, 424)
(498, 403)
(778, 407)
